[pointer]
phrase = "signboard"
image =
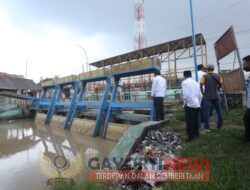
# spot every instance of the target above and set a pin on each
(225, 44)
(232, 82)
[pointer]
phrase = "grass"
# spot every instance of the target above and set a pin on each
(176, 121)
(234, 117)
(228, 154)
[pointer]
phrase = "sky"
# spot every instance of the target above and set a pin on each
(56, 37)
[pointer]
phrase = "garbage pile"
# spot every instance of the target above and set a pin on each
(157, 144)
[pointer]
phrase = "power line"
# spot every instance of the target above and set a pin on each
(244, 31)
(221, 10)
(238, 32)
(205, 17)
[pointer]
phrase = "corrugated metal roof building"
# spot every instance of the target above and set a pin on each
(16, 83)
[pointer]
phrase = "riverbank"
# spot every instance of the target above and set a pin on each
(228, 155)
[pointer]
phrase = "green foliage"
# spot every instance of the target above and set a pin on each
(228, 154)
(177, 119)
(234, 117)
(229, 159)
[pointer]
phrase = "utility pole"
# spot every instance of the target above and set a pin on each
(86, 56)
(194, 40)
(26, 68)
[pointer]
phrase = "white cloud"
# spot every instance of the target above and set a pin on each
(52, 52)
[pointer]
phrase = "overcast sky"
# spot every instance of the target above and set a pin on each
(46, 34)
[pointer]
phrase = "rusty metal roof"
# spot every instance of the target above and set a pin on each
(174, 45)
(16, 83)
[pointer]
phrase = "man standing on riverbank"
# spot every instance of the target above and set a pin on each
(158, 92)
(192, 101)
(210, 85)
(247, 113)
(201, 73)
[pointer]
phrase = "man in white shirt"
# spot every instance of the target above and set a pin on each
(159, 87)
(192, 97)
(201, 73)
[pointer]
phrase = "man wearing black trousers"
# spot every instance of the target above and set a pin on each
(159, 86)
(246, 118)
(192, 102)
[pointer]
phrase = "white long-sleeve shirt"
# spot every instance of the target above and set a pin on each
(159, 87)
(191, 93)
(200, 74)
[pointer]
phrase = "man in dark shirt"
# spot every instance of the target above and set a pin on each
(212, 83)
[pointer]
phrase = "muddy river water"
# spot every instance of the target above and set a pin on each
(22, 142)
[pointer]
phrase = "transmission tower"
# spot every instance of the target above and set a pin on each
(140, 39)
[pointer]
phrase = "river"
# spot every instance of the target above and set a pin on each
(22, 142)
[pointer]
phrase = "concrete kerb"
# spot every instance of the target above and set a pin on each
(131, 138)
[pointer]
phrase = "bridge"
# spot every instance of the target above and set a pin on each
(110, 71)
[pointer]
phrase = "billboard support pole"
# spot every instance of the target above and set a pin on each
(225, 45)
(240, 63)
(223, 91)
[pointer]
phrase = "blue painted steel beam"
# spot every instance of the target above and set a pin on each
(42, 98)
(44, 103)
(102, 108)
(73, 114)
(89, 103)
(108, 114)
(72, 107)
(57, 104)
(114, 105)
(101, 105)
(52, 105)
(63, 104)
(131, 104)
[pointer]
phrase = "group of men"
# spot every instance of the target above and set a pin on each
(199, 97)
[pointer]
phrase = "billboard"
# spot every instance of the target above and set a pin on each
(232, 81)
(225, 44)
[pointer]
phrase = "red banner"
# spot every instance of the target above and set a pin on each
(225, 44)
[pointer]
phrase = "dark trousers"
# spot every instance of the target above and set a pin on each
(192, 122)
(247, 124)
(202, 114)
(216, 103)
(159, 109)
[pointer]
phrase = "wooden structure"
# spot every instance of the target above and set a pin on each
(169, 53)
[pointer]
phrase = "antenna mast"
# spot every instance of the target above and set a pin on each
(140, 38)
